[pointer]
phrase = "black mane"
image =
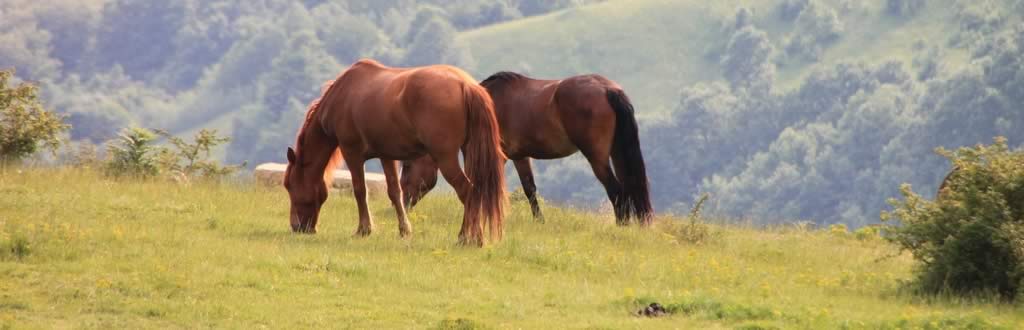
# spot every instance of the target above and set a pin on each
(501, 78)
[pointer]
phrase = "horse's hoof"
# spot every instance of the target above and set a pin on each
(308, 231)
(469, 241)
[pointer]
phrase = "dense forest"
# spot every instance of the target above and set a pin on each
(781, 110)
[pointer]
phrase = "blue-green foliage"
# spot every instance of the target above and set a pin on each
(834, 148)
(246, 68)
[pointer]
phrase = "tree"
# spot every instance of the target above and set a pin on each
(25, 126)
(537, 7)
(435, 43)
(817, 27)
(71, 26)
(904, 8)
(24, 45)
(139, 35)
(747, 62)
(346, 36)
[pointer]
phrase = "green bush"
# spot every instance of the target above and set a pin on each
(970, 241)
(24, 125)
(133, 154)
(190, 160)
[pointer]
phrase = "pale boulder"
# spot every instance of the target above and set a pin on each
(272, 174)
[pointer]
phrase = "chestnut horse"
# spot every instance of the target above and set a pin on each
(374, 111)
(548, 119)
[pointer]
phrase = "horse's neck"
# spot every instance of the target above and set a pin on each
(317, 148)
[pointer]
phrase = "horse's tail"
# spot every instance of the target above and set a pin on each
(635, 199)
(485, 162)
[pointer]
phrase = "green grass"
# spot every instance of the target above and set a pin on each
(655, 48)
(81, 251)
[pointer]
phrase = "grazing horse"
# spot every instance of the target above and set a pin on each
(549, 119)
(373, 111)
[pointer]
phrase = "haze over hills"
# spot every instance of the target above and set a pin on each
(656, 48)
(782, 110)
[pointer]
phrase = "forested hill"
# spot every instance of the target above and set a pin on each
(782, 110)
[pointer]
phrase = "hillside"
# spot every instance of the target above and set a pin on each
(656, 48)
(99, 253)
(779, 109)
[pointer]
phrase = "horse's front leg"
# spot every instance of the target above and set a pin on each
(529, 187)
(355, 167)
(395, 194)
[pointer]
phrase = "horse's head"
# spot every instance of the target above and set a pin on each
(307, 194)
(419, 176)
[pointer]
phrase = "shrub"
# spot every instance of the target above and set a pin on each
(694, 231)
(868, 233)
(132, 154)
(83, 154)
(16, 247)
(189, 160)
(24, 125)
(970, 241)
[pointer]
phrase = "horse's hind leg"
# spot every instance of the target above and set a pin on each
(355, 167)
(525, 170)
(395, 194)
(471, 232)
(603, 171)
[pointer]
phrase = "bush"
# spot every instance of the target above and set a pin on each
(24, 125)
(191, 160)
(970, 241)
(83, 154)
(132, 154)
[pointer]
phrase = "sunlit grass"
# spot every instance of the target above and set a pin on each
(78, 250)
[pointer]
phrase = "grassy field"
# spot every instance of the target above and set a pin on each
(81, 251)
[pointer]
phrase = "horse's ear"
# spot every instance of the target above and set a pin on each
(291, 155)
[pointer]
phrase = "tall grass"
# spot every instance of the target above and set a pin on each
(102, 253)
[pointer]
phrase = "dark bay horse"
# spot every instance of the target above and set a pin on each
(374, 111)
(548, 119)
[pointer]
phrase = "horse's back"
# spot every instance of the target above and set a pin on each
(584, 88)
(395, 112)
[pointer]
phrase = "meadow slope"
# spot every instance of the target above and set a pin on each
(78, 250)
(655, 48)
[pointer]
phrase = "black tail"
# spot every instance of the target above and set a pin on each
(629, 161)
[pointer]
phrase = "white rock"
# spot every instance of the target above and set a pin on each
(272, 174)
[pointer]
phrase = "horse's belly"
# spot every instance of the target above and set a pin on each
(394, 145)
(541, 148)
(554, 153)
